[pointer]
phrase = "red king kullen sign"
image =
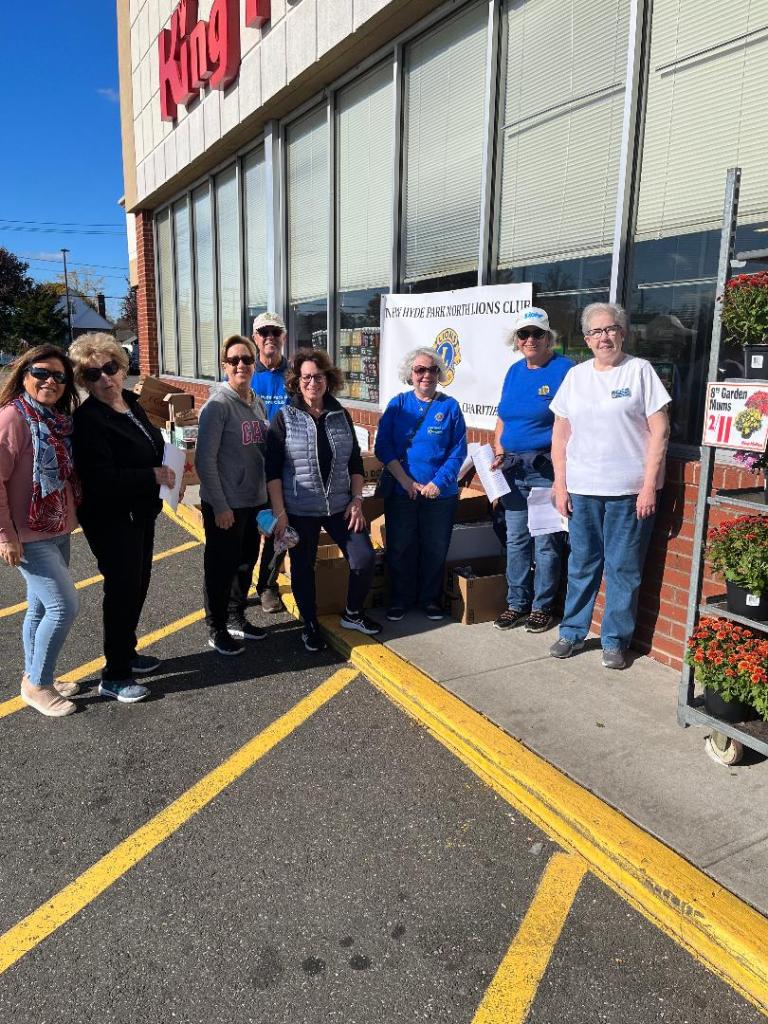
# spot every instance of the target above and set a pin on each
(193, 52)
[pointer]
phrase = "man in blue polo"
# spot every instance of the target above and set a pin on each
(268, 382)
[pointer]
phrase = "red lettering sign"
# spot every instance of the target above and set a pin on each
(257, 12)
(193, 52)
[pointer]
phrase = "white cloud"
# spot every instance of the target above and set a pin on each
(42, 255)
(109, 94)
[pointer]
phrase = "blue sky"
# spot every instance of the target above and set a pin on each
(60, 154)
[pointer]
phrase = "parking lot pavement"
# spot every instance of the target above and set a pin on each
(269, 838)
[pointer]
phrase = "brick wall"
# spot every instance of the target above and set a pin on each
(146, 296)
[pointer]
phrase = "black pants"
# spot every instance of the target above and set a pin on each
(123, 549)
(267, 579)
(356, 548)
(229, 555)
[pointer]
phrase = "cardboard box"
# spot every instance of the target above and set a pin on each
(454, 571)
(332, 582)
(479, 598)
(473, 540)
(371, 468)
(473, 506)
(154, 395)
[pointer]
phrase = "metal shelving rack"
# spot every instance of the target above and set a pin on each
(726, 741)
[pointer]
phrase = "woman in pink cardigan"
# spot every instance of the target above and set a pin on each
(38, 496)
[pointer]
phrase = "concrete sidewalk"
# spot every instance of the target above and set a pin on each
(614, 733)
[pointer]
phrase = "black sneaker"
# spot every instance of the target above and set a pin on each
(244, 630)
(395, 613)
(222, 642)
(313, 638)
(144, 664)
(539, 621)
(510, 618)
(360, 622)
(434, 612)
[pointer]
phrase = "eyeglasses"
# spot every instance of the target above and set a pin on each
(270, 332)
(245, 360)
(422, 371)
(40, 373)
(93, 373)
(307, 378)
(531, 332)
(598, 332)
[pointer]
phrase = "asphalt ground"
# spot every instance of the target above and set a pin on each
(158, 863)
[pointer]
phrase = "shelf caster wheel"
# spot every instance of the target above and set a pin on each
(723, 750)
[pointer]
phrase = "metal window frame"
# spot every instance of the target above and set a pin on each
(331, 300)
(186, 198)
(490, 127)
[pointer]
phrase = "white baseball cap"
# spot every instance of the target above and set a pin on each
(533, 317)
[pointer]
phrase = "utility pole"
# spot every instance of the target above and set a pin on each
(66, 290)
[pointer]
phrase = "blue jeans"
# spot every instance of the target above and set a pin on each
(605, 535)
(418, 537)
(528, 587)
(53, 604)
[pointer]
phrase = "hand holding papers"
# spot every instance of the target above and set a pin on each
(175, 458)
(543, 517)
(492, 480)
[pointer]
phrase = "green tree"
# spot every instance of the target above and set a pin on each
(82, 283)
(15, 284)
(39, 320)
(129, 310)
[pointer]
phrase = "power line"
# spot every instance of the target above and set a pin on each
(61, 231)
(65, 223)
(93, 266)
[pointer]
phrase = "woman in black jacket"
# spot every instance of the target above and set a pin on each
(118, 455)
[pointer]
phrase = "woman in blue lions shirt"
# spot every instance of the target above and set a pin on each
(522, 443)
(422, 441)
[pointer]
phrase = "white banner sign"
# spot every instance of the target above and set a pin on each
(469, 328)
(737, 416)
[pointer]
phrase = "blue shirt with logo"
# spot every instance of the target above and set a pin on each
(439, 445)
(269, 385)
(524, 405)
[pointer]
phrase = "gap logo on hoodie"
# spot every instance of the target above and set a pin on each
(254, 432)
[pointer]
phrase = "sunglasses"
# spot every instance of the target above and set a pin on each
(40, 373)
(245, 360)
(270, 332)
(421, 371)
(93, 373)
(530, 332)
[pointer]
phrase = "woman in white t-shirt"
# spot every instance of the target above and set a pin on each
(609, 443)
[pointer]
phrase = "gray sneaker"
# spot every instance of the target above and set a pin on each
(614, 659)
(563, 648)
(123, 690)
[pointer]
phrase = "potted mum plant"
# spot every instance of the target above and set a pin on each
(731, 663)
(745, 320)
(755, 463)
(738, 551)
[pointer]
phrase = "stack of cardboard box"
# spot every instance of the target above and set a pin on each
(173, 412)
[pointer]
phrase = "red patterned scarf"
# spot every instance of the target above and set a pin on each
(52, 466)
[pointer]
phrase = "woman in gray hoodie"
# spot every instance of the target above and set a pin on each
(230, 463)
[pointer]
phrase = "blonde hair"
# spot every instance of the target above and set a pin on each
(96, 343)
(237, 339)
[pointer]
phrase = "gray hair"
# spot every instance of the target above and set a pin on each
(611, 308)
(406, 367)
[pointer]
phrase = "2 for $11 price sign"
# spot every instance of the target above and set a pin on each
(737, 416)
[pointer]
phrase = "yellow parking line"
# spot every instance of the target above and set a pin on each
(83, 671)
(41, 923)
(509, 997)
(13, 609)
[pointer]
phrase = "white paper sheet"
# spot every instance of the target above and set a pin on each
(175, 458)
(543, 517)
(492, 480)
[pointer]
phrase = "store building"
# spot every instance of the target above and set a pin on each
(308, 156)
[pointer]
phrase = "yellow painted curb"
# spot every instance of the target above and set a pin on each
(717, 928)
(187, 518)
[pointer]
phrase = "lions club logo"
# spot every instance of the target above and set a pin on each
(447, 347)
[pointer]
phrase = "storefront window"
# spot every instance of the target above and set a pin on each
(560, 126)
(696, 63)
(228, 253)
(364, 144)
(307, 180)
(444, 105)
(184, 305)
(256, 214)
(169, 359)
(205, 280)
